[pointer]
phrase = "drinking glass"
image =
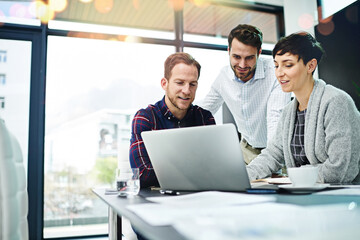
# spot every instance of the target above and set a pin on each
(127, 181)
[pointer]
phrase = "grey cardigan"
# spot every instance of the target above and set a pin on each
(332, 137)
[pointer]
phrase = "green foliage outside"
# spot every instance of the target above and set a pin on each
(105, 169)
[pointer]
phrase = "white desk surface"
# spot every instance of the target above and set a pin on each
(337, 214)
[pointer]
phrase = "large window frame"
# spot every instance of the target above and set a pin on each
(38, 36)
(35, 174)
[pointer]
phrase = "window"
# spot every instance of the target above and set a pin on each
(218, 20)
(18, 12)
(15, 64)
(211, 62)
(93, 89)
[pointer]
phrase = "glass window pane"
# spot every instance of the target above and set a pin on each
(18, 12)
(15, 72)
(148, 14)
(217, 21)
(93, 89)
(119, 33)
(211, 62)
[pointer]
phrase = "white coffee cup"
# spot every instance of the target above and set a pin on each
(304, 176)
(127, 181)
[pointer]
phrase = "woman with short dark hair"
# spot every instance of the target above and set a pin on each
(321, 126)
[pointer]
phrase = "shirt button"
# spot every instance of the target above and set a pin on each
(169, 118)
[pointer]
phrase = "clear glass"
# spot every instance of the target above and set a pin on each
(127, 182)
(93, 89)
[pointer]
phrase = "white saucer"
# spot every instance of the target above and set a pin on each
(299, 188)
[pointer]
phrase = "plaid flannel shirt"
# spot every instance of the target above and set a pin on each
(156, 117)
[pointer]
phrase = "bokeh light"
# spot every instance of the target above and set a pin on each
(326, 20)
(99, 36)
(32, 9)
(177, 5)
(86, 1)
(121, 38)
(136, 4)
(76, 34)
(132, 39)
(306, 21)
(43, 12)
(104, 6)
(58, 5)
(352, 15)
(200, 3)
(18, 10)
(326, 28)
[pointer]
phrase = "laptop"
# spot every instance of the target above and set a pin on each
(197, 158)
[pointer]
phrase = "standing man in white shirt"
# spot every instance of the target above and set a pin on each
(249, 88)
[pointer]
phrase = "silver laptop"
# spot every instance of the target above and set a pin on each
(197, 158)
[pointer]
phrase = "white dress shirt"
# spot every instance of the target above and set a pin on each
(255, 105)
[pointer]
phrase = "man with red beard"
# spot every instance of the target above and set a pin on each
(175, 110)
(250, 89)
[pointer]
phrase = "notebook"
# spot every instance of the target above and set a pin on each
(197, 158)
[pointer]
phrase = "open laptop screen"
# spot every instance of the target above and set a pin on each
(197, 158)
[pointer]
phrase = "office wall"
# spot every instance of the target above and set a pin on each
(341, 65)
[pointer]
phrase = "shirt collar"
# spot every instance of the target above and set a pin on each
(260, 70)
(165, 111)
(241, 81)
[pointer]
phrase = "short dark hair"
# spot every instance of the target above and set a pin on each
(177, 58)
(302, 44)
(246, 34)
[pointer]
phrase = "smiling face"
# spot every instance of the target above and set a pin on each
(180, 89)
(243, 59)
(292, 74)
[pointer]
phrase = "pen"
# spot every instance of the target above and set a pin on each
(169, 192)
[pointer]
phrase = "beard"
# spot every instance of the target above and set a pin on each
(244, 76)
(172, 99)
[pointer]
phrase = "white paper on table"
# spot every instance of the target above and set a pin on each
(211, 199)
(165, 214)
(354, 191)
(275, 221)
(159, 214)
(172, 208)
